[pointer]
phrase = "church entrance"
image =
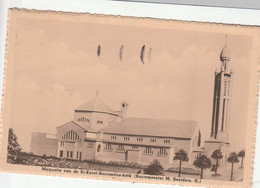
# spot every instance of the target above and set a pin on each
(132, 156)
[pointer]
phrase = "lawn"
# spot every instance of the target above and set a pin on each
(192, 172)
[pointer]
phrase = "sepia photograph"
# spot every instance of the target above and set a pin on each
(129, 99)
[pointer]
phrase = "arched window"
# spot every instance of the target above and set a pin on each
(199, 140)
(83, 119)
(71, 135)
(98, 148)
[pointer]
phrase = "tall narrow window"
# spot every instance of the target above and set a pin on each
(108, 147)
(148, 150)
(71, 135)
(139, 139)
(199, 139)
(113, 137)
(61, 153)
(98, 148)
(162, 151)
(68, 154)
(223, 115)
(120, 148)
(80, 153)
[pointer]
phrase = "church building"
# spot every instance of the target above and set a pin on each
(99, 133)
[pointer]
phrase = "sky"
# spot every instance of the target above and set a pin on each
(56, 69)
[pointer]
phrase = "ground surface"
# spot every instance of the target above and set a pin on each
(223, 171)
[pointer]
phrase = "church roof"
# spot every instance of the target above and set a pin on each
(96, 105)
(225, 54)
(73, 123)
(153, 127)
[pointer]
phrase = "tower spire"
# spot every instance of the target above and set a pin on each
(225, 57)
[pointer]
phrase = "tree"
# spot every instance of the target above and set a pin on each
(233, 158)
(202, 162)
(242, 155)
(13, 148)
(181, 155)
(154, 168)
(217, 154)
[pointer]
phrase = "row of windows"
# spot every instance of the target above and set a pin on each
(152, 140)
(162, 151)
(71, 135)
(70, 154)
(147, 150)
(226, 88)
(139, 139)
(84, 119)
(113, 137)
(108, 147)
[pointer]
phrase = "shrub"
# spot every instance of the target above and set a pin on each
(155, 168)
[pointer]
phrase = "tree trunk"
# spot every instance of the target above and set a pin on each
(180, 169)
(242, 161)
(216, 167)
(201, 173)
(231, 177)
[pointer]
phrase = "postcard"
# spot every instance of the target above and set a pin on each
(130, 99)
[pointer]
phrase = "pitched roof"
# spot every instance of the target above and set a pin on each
(73, 123)
(96, 105)
(153, 127)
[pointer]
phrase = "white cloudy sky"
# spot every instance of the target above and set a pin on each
(56, 69)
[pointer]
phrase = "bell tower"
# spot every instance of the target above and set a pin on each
(221, 99)
(219, 138)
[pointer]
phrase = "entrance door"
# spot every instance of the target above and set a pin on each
(132, 156)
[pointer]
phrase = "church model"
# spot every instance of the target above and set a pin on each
(100, 133)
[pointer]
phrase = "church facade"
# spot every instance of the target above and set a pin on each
(99, 133)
